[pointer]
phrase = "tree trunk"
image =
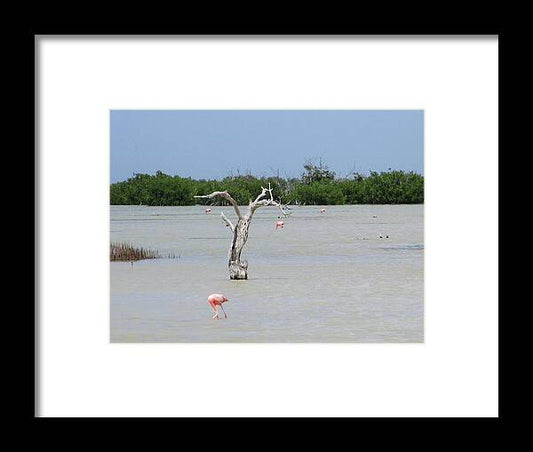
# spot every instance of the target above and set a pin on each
(238, 269)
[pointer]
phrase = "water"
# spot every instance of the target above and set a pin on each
(324, 277)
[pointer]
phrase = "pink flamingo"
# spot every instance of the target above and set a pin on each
(216, 299)
(279, 224)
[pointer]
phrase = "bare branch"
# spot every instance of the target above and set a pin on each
(225, 195)
(263, 193)
(229, 223)
(265, 202)
(274, 203)
(268, 202)
(262, 203)
(270, 191)
(285, 214)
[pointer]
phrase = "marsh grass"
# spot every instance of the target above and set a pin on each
(128, 252)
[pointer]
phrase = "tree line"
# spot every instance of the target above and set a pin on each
(316, 186)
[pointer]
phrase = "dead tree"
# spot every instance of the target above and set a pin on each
(238, 269)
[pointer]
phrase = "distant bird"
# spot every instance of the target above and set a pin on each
(280, 224)
(374, 216)
(207, 210)
(323, 210)
(216, 299)
(380, 236)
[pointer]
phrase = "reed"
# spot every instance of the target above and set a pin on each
(128, 252)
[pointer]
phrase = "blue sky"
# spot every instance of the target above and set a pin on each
(212, 144)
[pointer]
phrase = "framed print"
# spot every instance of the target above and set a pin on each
(267, 226)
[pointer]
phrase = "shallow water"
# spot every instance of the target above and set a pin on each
(324, 277)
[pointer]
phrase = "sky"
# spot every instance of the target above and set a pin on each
(213, 144)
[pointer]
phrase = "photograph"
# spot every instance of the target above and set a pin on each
(266, 226)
